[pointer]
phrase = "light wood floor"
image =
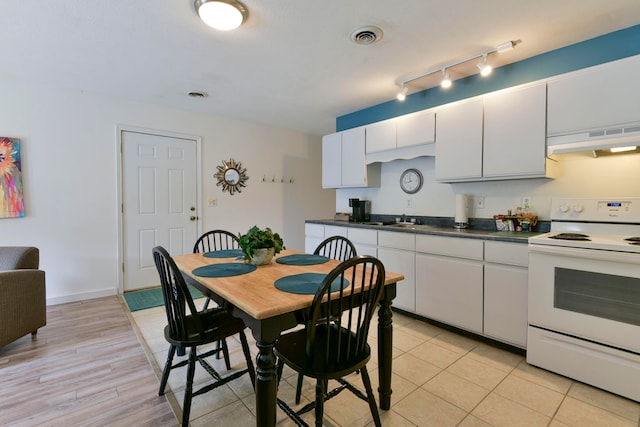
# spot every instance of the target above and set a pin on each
(85, 368)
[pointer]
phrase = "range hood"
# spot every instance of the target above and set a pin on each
(598, 139)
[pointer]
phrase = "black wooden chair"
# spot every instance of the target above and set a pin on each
(215, 240)
(334, 247)
(189, 328)
(333, 343)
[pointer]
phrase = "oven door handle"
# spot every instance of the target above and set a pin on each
(593, 254)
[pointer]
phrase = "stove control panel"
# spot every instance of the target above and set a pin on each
(625, 209)
(614, 208)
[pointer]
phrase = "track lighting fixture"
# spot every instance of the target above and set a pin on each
(484, 67)
(222, 15)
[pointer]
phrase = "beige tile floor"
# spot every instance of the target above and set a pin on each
(439, 379)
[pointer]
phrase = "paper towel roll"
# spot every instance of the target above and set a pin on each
(462, 209)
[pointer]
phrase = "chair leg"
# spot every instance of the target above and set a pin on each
(188, 391)
(247, 356)
(319, 409)
(167, 369)
(370, 398)
(299, 388)
(279, 368)
(225, 352)
(206, 303)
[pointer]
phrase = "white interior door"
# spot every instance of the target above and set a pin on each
(159, 180)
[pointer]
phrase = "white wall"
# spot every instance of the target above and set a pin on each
(580, 175)
(69, 161)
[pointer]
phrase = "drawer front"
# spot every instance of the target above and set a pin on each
(314, 230)
(363, 235)
(507, 253)
(389, 239)
(451, 246)
(334, 230)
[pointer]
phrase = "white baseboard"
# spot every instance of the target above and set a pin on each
(82, 296)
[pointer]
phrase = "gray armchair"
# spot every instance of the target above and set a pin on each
(22, 293)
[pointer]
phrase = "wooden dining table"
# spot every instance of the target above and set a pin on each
(268, 311)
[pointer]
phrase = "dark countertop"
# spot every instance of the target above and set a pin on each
(481, 231)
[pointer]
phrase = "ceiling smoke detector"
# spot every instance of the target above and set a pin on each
(366, 35)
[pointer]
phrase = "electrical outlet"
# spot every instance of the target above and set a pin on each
(409, 203)
(478, 202)
(213, 203)
(526, 202)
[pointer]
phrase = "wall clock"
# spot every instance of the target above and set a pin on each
(231, 176)
(411, 181)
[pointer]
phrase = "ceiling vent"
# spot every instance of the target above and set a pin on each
(366, 35)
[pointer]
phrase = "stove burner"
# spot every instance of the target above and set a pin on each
(571, 236)
(633, 239)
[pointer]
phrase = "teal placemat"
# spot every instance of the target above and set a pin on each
(302, 259)
(307, 283)
(224, 270)
(224, 253)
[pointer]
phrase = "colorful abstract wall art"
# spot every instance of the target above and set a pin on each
(11, 196)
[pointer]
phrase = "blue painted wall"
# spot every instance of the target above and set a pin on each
(606, 48)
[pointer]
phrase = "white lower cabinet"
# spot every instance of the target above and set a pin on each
(365, 240)
(397, 253)
(449, 281)
(505, 292)
(472, 284)
(313, 236)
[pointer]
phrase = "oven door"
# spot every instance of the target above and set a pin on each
(587, 294)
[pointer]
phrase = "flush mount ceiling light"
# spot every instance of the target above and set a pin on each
(484, 67)
(222, 15)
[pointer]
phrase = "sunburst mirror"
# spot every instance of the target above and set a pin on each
(231, 176)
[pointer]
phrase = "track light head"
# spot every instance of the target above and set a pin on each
(485, 69)
(446, 80)
(402, 95)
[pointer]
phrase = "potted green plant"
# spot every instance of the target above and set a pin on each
(259, 245)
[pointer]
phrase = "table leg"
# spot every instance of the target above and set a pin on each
(385, 347)
(266, 332)
(266, 385)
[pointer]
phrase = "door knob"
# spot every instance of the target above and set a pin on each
(193, 218)
(193, 208)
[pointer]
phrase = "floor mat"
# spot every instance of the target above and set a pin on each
(149, 298)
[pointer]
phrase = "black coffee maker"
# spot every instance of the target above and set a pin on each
(361, 210)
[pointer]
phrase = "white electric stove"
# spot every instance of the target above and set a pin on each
(584, 293)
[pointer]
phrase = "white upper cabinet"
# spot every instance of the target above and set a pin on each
(343, 161)
(381, 136)
(332, 160)
(595, 98)
(497, 136)
(416, 128)
(403, 137)
(514, 133)
(459, 141)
